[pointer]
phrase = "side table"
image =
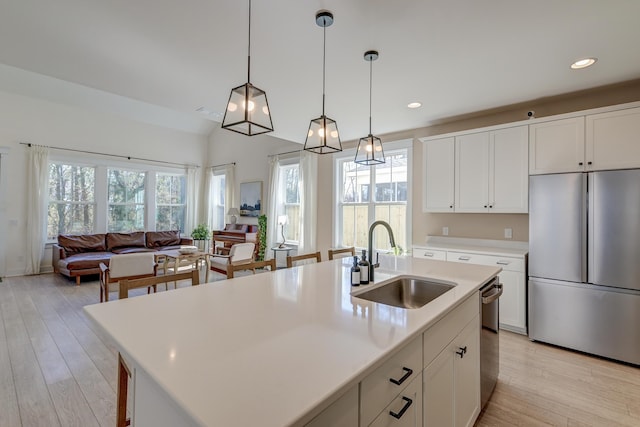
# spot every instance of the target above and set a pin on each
(276, 249)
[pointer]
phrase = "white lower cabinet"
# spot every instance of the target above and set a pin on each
(341, 413)
(513, 302)
(405, 410)
(387, 382)
(451, 389)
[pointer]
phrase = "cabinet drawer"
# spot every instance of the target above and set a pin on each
(405, 410)
(506, 263)
(438, 336)
(429, 253)
(379, 388)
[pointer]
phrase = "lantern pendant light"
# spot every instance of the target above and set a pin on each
(370, 150)
(248, 110)
(323, 137)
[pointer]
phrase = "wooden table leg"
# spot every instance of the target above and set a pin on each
(123, 388)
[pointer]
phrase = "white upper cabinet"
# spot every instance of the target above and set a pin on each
(509, 170)
(472, 173)
(613, 140)
(557, 146)
(438, 161)
(492, 171)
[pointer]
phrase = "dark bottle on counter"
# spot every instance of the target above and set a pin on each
(355, 272)
(364, 269)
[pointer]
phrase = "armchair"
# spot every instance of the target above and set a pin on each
(240, 253)
(126, 266)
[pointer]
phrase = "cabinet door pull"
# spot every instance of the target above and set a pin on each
(503, 262)
(403, 410)
(450, 206)
(485, 206)
(429, 254)
(580, 164)
(464, 258)
(407, 374)
(589, 163)
(462, 351)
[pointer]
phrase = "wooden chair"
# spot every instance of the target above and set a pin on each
(250, 266)
(239, 254)
(127, 284)
(292, 259)
(126, 266)
(342, 252)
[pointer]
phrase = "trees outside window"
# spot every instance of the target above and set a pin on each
(171, 197)
(126, 200)
(289, 200)
(71, 200)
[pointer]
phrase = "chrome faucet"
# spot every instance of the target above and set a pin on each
(392, 241)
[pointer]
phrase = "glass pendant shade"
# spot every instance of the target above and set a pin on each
(323, 136)
(370, 151)
(248, 111)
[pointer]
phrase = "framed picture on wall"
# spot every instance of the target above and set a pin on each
(251, 198)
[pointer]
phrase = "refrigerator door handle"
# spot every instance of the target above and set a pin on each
(587, 203)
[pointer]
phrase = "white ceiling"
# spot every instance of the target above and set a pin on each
(454, 56)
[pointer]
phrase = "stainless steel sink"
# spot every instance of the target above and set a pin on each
(406, 292)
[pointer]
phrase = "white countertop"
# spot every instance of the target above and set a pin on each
(511, 248)
(274, 348)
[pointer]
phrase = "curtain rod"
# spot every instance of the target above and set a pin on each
(287, 152)
(28, 144)
(224, 164)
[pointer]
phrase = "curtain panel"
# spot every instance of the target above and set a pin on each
(37, 199)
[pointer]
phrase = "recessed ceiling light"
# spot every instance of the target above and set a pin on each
(414, 105)
(583, 63)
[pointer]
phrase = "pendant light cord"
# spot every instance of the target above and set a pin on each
(249, 48)
(324, 59)
(370, 91)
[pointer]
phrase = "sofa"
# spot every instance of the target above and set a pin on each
(81, 255)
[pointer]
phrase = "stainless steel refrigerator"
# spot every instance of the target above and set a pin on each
(584, 262)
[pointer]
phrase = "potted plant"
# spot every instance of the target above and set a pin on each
(201, 235)
(262, 236)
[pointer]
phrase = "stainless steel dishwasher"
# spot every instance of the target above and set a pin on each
(489, 344)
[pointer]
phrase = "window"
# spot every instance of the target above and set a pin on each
(289, 200)
(126, 203)
(218, 202)
(367, 194)
(71, 200)
(171, 196)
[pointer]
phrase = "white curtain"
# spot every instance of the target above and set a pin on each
(193, 190)
(308, 185)
(229, 187)
(37, 198)
(272, 212)
(208, 198)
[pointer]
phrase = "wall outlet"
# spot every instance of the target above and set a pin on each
(445, 231)
(508, 233)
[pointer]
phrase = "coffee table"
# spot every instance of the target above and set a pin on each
(176, 257)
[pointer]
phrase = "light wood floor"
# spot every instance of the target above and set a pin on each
(57, 370)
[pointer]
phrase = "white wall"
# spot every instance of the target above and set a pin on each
(31, 120)
(251, 155)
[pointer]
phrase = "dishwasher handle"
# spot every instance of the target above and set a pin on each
(489, 298)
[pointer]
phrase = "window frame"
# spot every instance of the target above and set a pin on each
(281, 202)
(170, 205)
(101, 166)
(217, 172)
(349, 155)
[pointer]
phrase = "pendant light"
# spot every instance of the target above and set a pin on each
(370, 150)
(248, 110)
(323, 137)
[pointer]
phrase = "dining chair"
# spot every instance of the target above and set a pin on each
(239, 254)
(126, 266)
(341, 252)
(231, 270)
(127, 284)
(305, 257)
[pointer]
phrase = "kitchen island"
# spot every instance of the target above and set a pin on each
(272, 349)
